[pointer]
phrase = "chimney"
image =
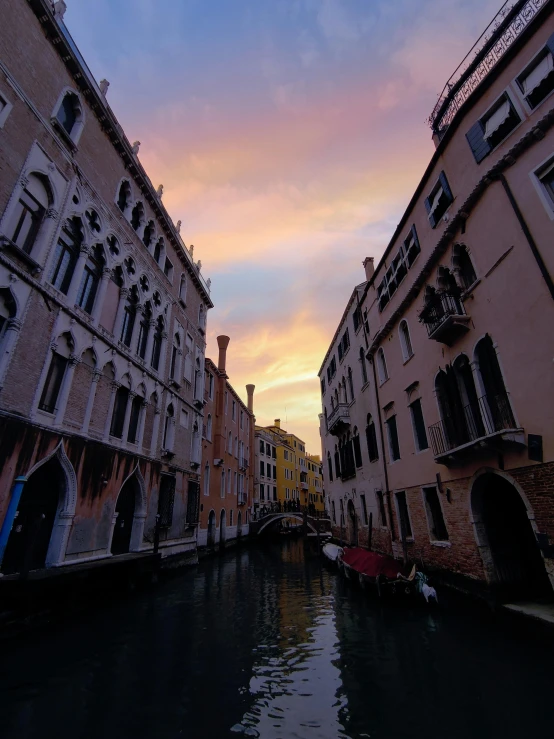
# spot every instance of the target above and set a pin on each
(250, 391)
(369, 268)
(223, 343)
(277, 423)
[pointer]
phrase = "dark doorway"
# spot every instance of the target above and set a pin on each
(211, 530)
(352, 524)
(125, 508)
(31, 531)
(222, 532)
(518, 567)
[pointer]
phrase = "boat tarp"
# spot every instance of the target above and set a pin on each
(372, 564)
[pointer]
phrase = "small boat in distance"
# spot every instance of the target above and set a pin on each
(332, 553)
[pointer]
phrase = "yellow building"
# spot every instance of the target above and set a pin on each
(294, 474)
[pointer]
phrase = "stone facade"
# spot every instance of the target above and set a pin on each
(437, 404)
(102, 319)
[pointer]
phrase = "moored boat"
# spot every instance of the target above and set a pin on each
(332, 553)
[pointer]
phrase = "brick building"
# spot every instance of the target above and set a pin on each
(227, 474)
(102, 320)
(438, 389)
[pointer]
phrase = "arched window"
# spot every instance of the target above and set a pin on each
(29, 212)
(207, 479)
(350, 383)
(159, 251)
(91, 279)
(66, 255)
(405, 340)
(463, 266)
(137, 216)
(175, 357)
(69, 116)
(148, 234)
(495, 404)
(129, 317)
(363, 366)
(230, 443)
(144, 330)
(382, 366)
(357, 448)
(201, 316)
(183, 288)
(56, 373)
(209, 427)
(136, 410)
(157, 343)
(168, 428)
(371, 439)
(119, 411)
(124, 196)
(222, 491)
(7, 309)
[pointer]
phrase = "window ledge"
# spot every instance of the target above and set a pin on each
(443, 544)
(410, 357)
(364, 386)
(7, 244)
(62, 133)
(384, 382)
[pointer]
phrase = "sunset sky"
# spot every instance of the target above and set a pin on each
(289, 136)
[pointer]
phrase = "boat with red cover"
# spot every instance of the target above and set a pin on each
(389, 576)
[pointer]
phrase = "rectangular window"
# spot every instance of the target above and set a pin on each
(364, 510)
(211, 386)
(323, 386)
(274, 493)
(168, 269)
(403, 516)
(242, 420)
(357, 451)
(418, 424)
(273, 453)
(234, 411)
(333, 511)
(435, 519)
(381, 505)
(536, 81)
(262, 469)
(394, 449)
(119, 409)
(189, 353)
(53, 383)
(493, 127)
(166, 500)
(262, 492)
(286, 455)
(262, 447)
(274, 472)
(439, 200)
(268, 450)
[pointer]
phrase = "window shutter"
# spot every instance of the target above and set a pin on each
(479, 145)
(446, 186)
(432, 219)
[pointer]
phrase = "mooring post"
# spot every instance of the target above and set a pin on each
(9, 518)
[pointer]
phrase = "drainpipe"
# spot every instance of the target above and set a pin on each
(530, 240)
(382, 435)
(9, 518)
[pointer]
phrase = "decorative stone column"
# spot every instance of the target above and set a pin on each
(108, 423)
(155, 431)
(136, 326)
(100, 295)
(96, 375)
(127, 418)
(65, 389)
(48, 225)
(84, 251)
(142, 421)
(118, 323)
(163, 352)
(150, 341)
(13, 327)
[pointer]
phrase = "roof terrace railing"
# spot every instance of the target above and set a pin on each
(508, 24)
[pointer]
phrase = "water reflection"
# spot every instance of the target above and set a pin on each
(267, 643)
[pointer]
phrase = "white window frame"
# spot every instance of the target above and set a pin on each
(429, 518)
(79, 124)
(6, 110)
(536, 175)
(405, 341)
(382, 369)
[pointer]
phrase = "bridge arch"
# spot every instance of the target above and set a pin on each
(272, 517)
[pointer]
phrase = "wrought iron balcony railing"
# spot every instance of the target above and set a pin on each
(241, 498)
(509, 23)
(340, 416)
(439, 308)
(243, 463)
(491, 414)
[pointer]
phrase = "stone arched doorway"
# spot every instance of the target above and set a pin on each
(222, 527)
(511, 556)
(30, 538)
(211, 530)
(352, 524)
(130, 513)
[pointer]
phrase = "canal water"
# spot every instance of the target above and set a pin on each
(266, 642)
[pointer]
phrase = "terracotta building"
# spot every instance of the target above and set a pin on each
(227, 474)
(438, 386)
(102, 321)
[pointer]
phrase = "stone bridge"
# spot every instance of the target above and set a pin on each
(317, 525)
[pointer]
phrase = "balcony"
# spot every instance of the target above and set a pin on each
(304, 486)
(484, 424)
(339, 419)
(243, 463)
(241, 498)
(445, 318)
